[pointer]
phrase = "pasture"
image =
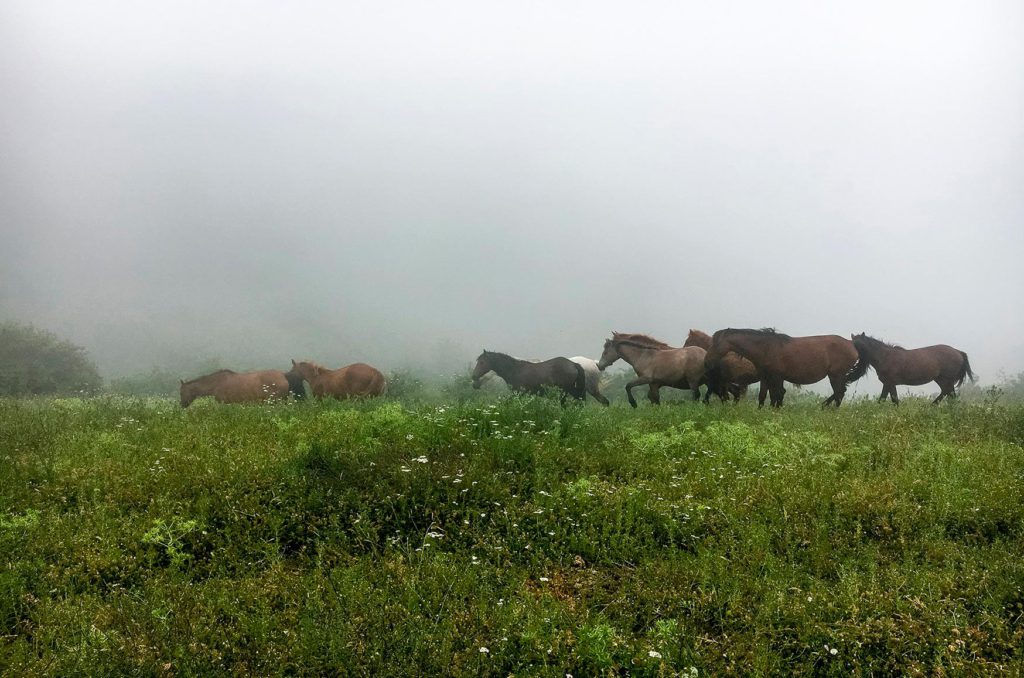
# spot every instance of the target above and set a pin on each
(507, 535)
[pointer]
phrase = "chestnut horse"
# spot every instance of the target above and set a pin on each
(227, 386)
(945, 365)
(357, 380)
(533, 377)
(655, 363)
(737, 372)
(780, 357)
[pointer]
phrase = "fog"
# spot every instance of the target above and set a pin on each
(407, 183)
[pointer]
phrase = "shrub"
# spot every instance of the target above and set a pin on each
(37, 362)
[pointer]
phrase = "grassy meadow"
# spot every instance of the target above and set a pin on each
(504, 535)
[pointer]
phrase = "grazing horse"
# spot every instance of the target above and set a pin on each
(533, 377)
(228, 386)
(945, 365)
(357, 380)
(780, 357)
(655, 363)
(737, 372)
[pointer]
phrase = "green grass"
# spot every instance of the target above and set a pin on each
(402, 537)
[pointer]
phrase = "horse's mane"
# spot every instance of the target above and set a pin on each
(637, 339)
(878, 342)
(211, 374)
(503, 358)
(767, 332)
(315, 366)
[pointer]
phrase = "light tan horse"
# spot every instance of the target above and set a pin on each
(227, 386)
(737, 372)
(780, 357)
(357, 380)
(655, 363)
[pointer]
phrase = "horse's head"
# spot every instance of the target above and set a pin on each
(609, 355)
(720, 345)
(698, 338)
(307, 370)
(483, 366)
(189, 392)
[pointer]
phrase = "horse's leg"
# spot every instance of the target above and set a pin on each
(945, 389)
(654, 394)
(838, 389)
(639, 381)
(762, 393)
(885, 393)
(892, 394)
(778, 392)
(599, 397)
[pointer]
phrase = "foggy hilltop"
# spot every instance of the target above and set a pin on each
(407, 184)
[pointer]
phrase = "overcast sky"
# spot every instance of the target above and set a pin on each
(407, 183)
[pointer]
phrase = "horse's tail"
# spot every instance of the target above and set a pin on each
(965, 371)
(860, 368)
(579, 387)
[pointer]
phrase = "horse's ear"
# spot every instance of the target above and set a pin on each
(293, 362)
(182, 381)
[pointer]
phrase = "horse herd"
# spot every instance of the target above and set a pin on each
(725, 363)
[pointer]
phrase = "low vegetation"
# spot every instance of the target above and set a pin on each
(504, 535)
(37, 362)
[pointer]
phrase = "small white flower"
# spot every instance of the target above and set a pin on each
(833, 651)
(421, 459)
(655, 654)
(484, 650)
(544, 579)
(408, 436)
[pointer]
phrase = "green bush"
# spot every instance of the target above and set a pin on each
(37, 362)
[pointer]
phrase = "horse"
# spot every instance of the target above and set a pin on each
(533, 377)
(228, 386)
(780, 357)
(655, 363)
(593, 377)
(357, 380)
(737, 372)
(945, 365)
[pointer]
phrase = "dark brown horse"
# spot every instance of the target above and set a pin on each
(531, 377)
(228, 386)
(895, 365)
(780, 358)
(357, 380)
(737, 372)
(655, 363)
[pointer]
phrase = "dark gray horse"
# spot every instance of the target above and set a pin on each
(530, 377)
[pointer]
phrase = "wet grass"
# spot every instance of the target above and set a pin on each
(510, 536)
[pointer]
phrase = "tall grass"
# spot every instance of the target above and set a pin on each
(508, 535)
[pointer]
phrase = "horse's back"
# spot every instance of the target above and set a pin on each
(356, 380)
(252, 387)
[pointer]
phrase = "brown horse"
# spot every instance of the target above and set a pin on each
(655, 363)
(737, 372)
(945, 365)
(533, 377)
(227, 386)
(357, 380)
(780, 357)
